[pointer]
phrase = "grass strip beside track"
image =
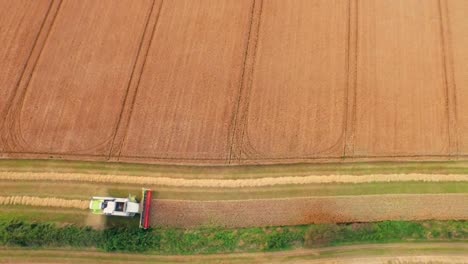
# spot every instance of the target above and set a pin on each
(83, 191)
(60, 216)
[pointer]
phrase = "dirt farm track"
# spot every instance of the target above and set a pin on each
(234, 81)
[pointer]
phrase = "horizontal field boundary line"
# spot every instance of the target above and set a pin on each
(103, 156)
(299, 158)
(361, 157)
(43, 202)
(230, 183)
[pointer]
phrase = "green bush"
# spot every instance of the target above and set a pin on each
(323, 234)
(128, 239)
(284, 239)
(218, 240)
(19, 233)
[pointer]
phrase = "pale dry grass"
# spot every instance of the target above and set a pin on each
(43, 202)
(229, 183)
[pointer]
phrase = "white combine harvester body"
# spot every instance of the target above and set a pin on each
(114, 206)
(126, 207)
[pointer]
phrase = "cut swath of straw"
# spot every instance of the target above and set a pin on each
(230, 183)
(43, 202)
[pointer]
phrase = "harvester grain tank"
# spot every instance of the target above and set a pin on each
(126, 207)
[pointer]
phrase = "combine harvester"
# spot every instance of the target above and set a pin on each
(126, 207)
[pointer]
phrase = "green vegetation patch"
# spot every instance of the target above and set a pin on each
(40, 214)
(169, 241)
(305, 190)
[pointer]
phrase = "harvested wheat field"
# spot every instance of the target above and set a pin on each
(233, 82)
(298, 211)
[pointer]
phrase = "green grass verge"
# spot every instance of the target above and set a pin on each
(41, 214)
(234, 172)
(170, 241)
(305, 190)
(86, 190)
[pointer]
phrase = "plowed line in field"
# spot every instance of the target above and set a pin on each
(229, 183)
(14, 130)
(43, 202)
(26, 73)
(9, 102)
(120, 133)
(451, 89)
(136, 71)
(351, 93)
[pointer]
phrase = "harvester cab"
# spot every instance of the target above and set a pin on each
(126, 207)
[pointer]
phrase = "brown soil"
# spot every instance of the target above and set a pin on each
(246, 81)
(96, 221)
(299, 211)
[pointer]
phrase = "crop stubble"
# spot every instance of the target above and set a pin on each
(458, 42)
(71, 102)
(296, 103)
(297, 211)
(20, 25)
(228, 79)
(401, 89)
(190, 83)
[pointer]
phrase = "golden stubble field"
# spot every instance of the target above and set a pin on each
(233, 82)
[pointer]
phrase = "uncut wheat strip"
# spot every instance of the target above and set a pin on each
(230, 183)
(43, 202)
